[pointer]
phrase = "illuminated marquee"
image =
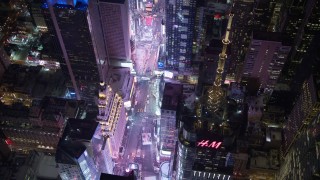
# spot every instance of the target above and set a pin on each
(206, 143)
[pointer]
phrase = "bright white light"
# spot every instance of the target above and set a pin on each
(168, 74)
(166, 153)
(158, 112)
(127, 104)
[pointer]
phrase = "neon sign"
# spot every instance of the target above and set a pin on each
(206, 143)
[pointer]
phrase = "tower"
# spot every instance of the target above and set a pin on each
(215, 92)
(115, 25)
(265, 57)
(241, 31)
(300, 24)
(180, 21)
(71, 44)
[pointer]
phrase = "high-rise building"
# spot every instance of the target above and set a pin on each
(210, 24)
(265, 58)
(35, 165)
(7, 20)
(267, 16)
(300, 23)
(300, 155)
(37, 16)
(71, 45)
(114, 18)
(305, 109)
(241, 32)
(180, 21)
(167, 133)
(98, 41)
(186, 151)
(115, 98)
(38, 125)
(75, 155)
(201, 153)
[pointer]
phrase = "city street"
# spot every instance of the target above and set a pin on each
(143, 121)
(148, 39)
(146, 106)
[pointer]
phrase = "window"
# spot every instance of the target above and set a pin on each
(183, 51)
(184, 44)
(184, 36)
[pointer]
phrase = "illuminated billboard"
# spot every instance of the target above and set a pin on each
(209, 144)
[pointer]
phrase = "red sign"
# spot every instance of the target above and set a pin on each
(8, 141)
(206, 143)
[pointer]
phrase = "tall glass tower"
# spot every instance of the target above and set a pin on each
(71, 45)
(180, 21)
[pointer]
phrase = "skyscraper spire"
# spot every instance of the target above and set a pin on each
(215, 93)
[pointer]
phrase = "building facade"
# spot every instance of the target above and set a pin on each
(241, 31)
(115, 98)
(201, 154)
(299, 23)
(180, 21)
(300, 157)
(114, 18)
(76, 156)
(265, 58)
(171, 95)
(72, 46)
(39, 126)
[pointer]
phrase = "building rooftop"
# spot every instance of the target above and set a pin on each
(20, 78)
(79, 129)
(43, 166)
(271, 36)
(47, 168)
(213, 161)
(171, 96)
(32, 80)
(52, 106)
(264, 160)
(120, 79)
(69, 151)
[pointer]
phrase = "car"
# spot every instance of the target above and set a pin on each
(121, 151)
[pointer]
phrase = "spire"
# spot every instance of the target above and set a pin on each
(215, 93)
(223, 54)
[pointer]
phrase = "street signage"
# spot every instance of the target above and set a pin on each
(160, 65)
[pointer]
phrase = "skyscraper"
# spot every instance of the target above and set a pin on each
(171, 95)
(202, 151)
(300, 23)
(265, 58)
(180, 20)
(301, 135)
(39, 125)
(75, 155)
(114, 17)
(241, 31)
(71, 44)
